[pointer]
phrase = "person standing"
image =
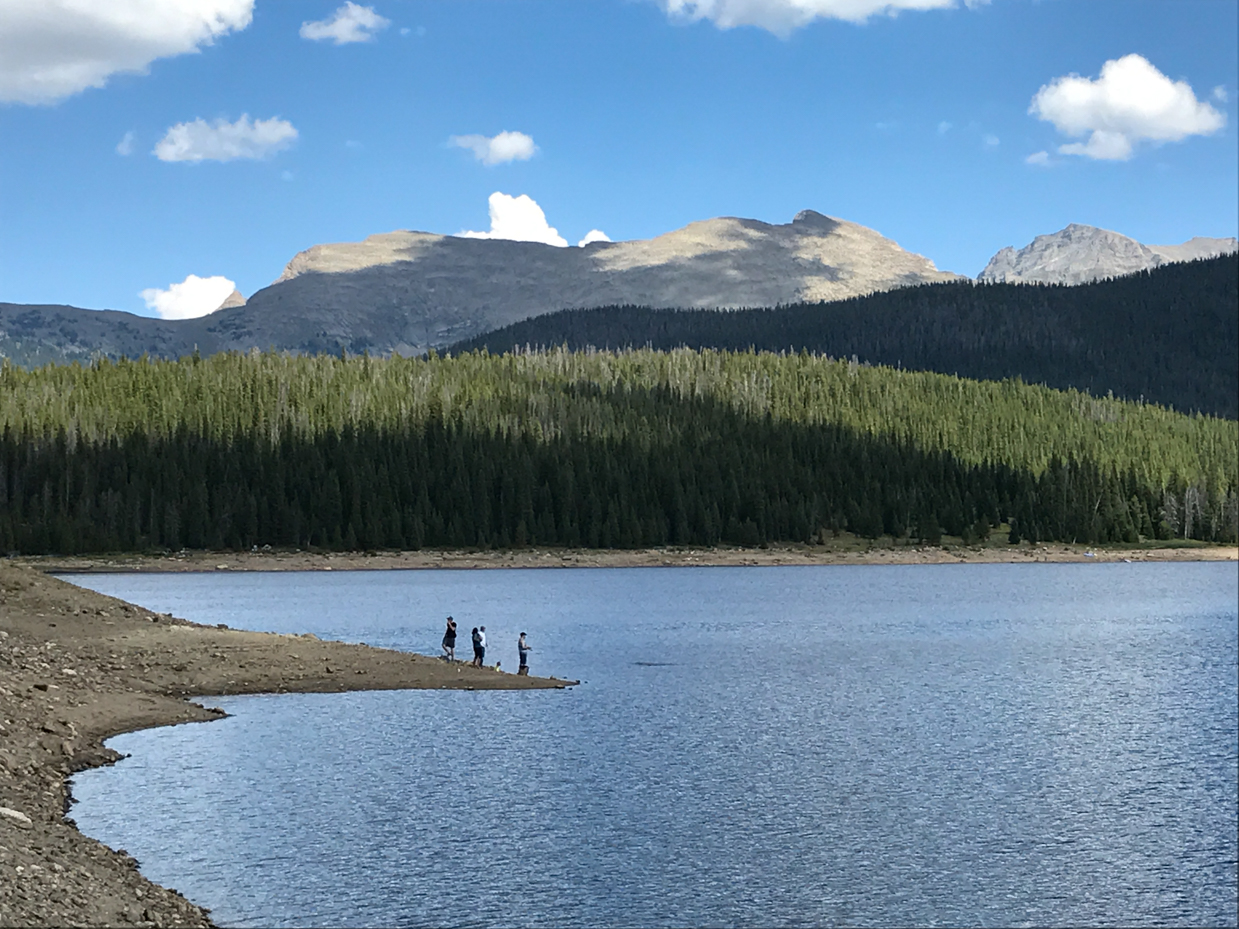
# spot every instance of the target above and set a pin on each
(449, 640)
(478, 650)
(523, 649)
(481, 645)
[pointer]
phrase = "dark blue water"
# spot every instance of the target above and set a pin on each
(951, 745)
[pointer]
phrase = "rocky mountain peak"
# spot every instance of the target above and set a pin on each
(1078, 254)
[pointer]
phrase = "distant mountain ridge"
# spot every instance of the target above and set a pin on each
(410, 292)
(1079, 254)
(413, 291)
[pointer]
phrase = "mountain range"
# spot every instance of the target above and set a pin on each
(411, 292)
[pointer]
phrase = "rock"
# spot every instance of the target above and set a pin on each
(233, 299)
(15, 816)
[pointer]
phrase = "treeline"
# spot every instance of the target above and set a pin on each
(1169, 336)
(594, 450)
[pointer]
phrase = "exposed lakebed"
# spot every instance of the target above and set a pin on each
(970, 744)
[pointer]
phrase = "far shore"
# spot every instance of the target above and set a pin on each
(77, 667)
(843, 552)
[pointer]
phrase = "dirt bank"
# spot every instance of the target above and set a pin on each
(77, 667)
(843, 551)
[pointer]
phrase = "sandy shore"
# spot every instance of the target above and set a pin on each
(845, 551)
(77, 667)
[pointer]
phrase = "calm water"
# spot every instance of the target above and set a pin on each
(956, 745)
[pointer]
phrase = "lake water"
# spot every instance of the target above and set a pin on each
(922, 745)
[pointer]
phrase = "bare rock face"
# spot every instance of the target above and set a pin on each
(233, 299)
(412, 291)
(1079, 254)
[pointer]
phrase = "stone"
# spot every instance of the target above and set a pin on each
(15, 816)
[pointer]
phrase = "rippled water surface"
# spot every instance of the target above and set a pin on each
(952, 745)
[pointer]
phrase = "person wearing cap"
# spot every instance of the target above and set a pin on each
(523, 649)
(449, 640)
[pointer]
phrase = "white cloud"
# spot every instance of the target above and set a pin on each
(1040, 159)
(498, 149)
(1129, 103)
(944, 127)
(519, 219)
(594, 235)
(350, 23)
(990, 140)
(193, 297)
(784, 16)
(125, 145)
(52, 49)
(1220, 94)
(225, 141)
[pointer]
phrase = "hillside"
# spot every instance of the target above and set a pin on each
(588, 449)
(1170, 335)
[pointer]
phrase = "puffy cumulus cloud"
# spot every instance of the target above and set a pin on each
(497, 149)
(193, 297)
(1131, 102)
(350, 23)
(1040, 159)
(594, 235)
(784, 16)
(1220, 94)
(52, 49)
(225, 141)
(519, 219)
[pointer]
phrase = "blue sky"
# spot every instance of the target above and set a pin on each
(634, 117)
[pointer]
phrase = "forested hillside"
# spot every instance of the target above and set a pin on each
(584, 449)
(1170, 335)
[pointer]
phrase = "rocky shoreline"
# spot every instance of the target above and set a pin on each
(77, 667)
(842, 551)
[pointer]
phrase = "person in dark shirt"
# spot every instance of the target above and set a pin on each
(479, 649)
(449, 640)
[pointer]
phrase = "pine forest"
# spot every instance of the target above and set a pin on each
(585, 449)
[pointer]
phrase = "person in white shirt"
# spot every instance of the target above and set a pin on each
(523, 648)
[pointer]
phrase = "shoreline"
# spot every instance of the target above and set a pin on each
(78, 667)
(846, 551)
